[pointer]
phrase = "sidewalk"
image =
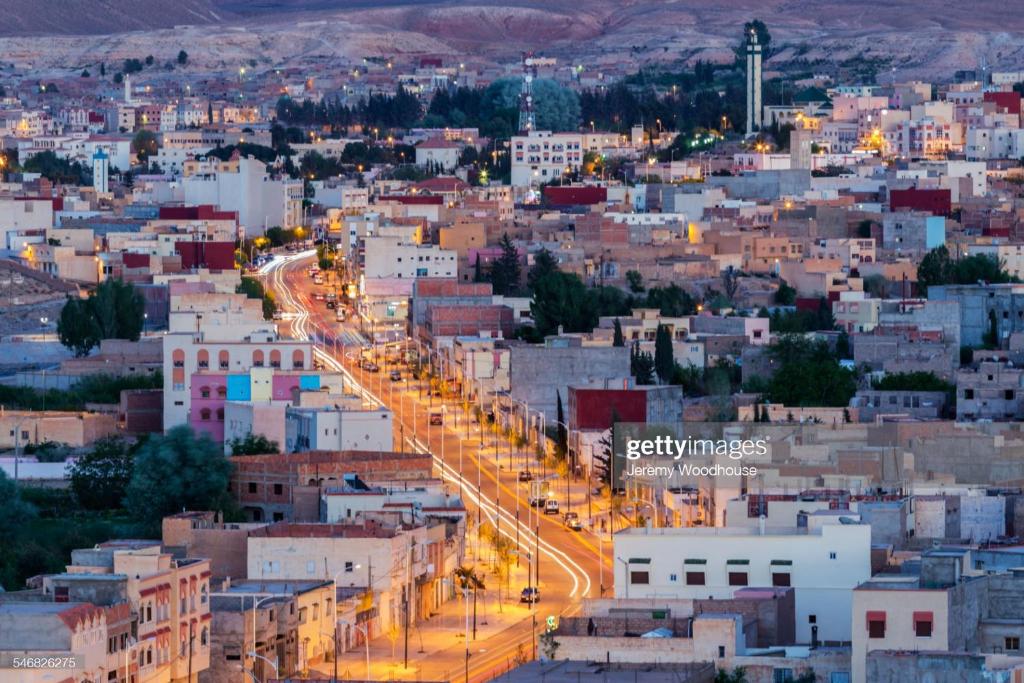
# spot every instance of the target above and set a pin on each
(437, 645)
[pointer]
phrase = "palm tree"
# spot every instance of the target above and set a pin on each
(470, 580)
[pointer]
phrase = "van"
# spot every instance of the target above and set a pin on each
(551, 507)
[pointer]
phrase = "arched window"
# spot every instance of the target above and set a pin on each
(204, 414)
(224, 359)
(275, 358)
(202, 594)
(203, 359)
(257, 358)
(298, 359)
(220, 414)
(204, 636)
(178, 358)
(204, 391)
(222, 391)
(149, 655)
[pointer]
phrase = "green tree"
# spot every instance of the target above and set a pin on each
(935, 268)
(145, 145)
(641, 365)
(555, 107)
(808, 374)
(253, 444)
(664, 362)
(544, 263)
(561, 299)
(478, 275)
(178, 471)
(617, 338)
(76, 328)
(14, 511)
(635, 281)
(253, 289)
(505, 271)
(100, 477)
(785, 295)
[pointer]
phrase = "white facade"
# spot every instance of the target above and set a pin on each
(336, 429)
(260, 200)
(543, 156)
(389, 257)
(823, 565)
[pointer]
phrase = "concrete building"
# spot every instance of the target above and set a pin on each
(856, 312)
(543, 156)
(979, 304)
(332, 428)
(874, 403)
(912, 231)
(392, 257)
(55, 630)
(244, 185)
(990, 391)
(291, 623)
(538, 373)
(20, 428)
(822, 564)
(946, 607)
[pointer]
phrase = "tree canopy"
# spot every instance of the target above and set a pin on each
(555, 107)
(937, 268)
(114, 310)
(99, 478)
(808, 374)
(178, 471)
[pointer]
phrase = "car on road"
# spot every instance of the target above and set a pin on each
(370, 366)
(331, 304)
(437, 418)
(278, 314)
(529, 595)
(571, 520)
(318, 296)
(551, 507)
(339, 315)
(525, 475)
(395, 376)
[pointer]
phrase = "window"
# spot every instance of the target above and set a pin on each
(204, 638)
(721, 651)
(737, 578)
(673, 578)
(278, 489)
(252, 487)
(695, 578)
(224, 360)
(923, 624)
(311, 567)
(832, 556)
(876, 624)
(316, 611)
(348, 566)
(969, 393)
(782, 675)
(1008, 394)
(639, 578)
(1012, 643)
(780, 579)
(812, 618)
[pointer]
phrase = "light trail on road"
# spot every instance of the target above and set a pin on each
(300, 325)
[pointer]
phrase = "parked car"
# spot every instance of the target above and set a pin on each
(396, 376)
(436, 419)
(530, 595)
(551, 507)
(571, 520)
(525, 475)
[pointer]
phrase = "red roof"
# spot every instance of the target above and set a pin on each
(204, 212)
(442, 184)
(418, 199)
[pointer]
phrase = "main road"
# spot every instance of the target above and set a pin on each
(570, 566)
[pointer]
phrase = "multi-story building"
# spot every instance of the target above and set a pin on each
(239, 366)
(289, 623)
(822, 564)
(990, 391)
(168, 600)
(543, 156)
(946, 607)
(393, 257)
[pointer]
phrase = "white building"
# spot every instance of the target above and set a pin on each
(542, 156)
(260, 199)
(333, 428)
(440, 153)
(823, 564)
(391, 257)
